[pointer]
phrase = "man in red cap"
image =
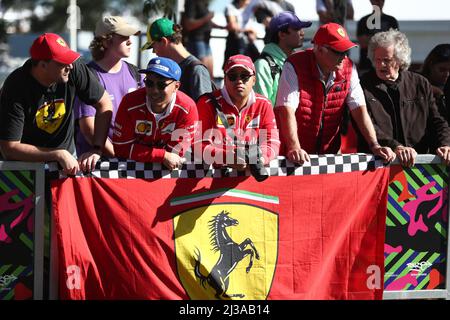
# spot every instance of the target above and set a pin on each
(314, 88)
(235, 116)
(36, 102)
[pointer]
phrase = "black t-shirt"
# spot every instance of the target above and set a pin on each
(41, 116)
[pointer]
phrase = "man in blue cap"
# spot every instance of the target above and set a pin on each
(285, 35)
(156, 123)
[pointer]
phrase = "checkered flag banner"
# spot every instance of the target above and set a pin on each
(320, 164)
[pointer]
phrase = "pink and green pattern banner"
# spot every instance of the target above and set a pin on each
(17, 209)
(416, 228)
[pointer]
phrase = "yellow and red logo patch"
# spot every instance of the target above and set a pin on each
(143, 127)
(50, 115)
(61, 42)
(341, 32)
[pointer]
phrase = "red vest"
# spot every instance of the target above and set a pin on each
(319, 113)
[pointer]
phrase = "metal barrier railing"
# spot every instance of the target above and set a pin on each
(416, 247)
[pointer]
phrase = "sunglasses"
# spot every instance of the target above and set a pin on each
(242, 76)
(160, 85)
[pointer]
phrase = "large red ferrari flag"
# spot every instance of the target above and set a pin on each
(304, 233)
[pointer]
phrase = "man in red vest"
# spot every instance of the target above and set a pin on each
(315, 87)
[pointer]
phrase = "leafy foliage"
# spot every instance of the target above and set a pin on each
(166, 8)
(56, 19)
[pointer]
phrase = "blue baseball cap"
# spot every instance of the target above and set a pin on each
(164, 67)
(287, 18)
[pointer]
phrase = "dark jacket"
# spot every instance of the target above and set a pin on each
(416, 124)
(447, 98)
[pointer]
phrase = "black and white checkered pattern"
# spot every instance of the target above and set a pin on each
(323, 164)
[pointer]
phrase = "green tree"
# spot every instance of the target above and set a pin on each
(55, 20)
(91, 12)
(12, 5)
(157, 7)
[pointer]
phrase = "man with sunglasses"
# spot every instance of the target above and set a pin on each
(315, 86)
(156, 123)
(236, 116)
(36, 107)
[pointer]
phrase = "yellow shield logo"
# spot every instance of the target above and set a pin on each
(341, 31)
(61, 42)
(50, 115)
(226, 251)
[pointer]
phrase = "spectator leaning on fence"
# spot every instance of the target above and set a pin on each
(315, 87)
(286, 34)
(165, 38)
(110, 45)
(156, 123)
(236, 110)
(36, 107)
(401, 102)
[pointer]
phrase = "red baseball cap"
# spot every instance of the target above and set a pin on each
(333, 35)
(50, 46)
(239, 60)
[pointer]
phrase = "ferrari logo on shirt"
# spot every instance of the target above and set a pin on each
(143, 127)
(50, 115)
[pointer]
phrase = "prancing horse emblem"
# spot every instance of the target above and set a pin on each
(230, 255)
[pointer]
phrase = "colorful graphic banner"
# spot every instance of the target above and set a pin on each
(416, 228)
(317, 236)
(17, 211)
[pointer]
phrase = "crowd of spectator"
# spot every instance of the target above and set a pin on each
(288, 100)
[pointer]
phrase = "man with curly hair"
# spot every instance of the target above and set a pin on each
(111, 44)
(401, 102)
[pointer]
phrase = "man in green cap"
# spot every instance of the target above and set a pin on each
(164, 37)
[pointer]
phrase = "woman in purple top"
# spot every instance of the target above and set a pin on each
(111, 43)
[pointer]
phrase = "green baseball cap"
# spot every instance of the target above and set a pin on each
(160, 28)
